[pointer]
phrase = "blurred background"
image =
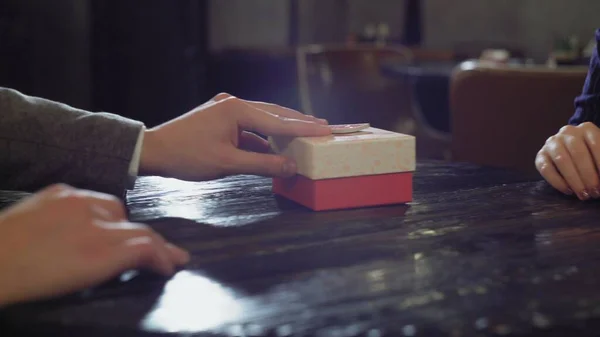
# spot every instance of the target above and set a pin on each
(483, 81)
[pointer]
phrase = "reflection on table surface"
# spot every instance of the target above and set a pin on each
(478, 252)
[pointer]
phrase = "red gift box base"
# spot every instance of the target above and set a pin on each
(344, 193)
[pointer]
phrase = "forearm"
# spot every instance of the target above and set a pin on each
(44, 142)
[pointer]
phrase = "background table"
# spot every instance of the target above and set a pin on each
(430, 83)
(478, 252)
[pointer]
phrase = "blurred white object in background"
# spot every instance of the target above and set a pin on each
(495, 56)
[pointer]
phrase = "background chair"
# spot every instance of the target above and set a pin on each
(501, 116)
(345, 84)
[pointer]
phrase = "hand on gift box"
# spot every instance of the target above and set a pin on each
(216, 139)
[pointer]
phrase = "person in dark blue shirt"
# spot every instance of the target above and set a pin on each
(570, 160)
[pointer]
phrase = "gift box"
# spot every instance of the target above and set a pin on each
(371, 167)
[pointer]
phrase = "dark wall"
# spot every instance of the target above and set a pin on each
(149, 60)
(44, 49)
(144, 59)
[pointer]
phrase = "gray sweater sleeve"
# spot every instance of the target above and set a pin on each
(44, 142)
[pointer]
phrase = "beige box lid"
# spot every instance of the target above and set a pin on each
(367, 152)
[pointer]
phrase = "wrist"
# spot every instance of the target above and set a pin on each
(150, 155)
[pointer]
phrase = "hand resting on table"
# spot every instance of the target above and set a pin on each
(570, 161)
(63, 239)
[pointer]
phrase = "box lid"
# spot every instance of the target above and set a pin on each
(367, 152)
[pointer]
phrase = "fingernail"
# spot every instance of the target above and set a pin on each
(319, 120)
(289, 167)
(596, 193)
(181, 255)
(168, 267)
(584, 195)
(324, 127)
(569, 191)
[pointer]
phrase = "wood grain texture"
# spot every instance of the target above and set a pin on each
(479, 252)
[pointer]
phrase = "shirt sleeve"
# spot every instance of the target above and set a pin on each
(587, 108)
(134, 166)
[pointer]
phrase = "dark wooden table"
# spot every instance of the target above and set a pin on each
(479, 252)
